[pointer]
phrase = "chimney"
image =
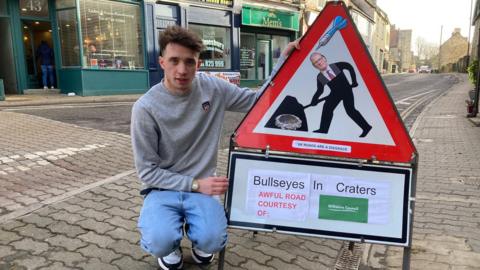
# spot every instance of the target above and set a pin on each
(456, 31)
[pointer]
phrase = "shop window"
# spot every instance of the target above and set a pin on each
(166, 11)
(363, 26)
(67, 29)
(279, 43)
(217, 53)
(112, 36)
(34, 8)
(247, 56)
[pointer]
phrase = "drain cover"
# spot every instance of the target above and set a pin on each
(349, 259)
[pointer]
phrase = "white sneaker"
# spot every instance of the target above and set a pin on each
(201, 257)
(51, 87)
(45, 87)
(172, 261)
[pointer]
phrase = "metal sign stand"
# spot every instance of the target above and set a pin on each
(413, 160)
(406, 250)
(221, 258)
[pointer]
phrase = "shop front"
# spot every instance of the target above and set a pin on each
(265, 32)
(101, 44)
(88, 47)
(23, 27)
(8, 77)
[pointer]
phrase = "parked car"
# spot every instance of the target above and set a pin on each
(424, 69)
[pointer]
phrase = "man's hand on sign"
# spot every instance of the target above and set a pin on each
(215, 185)
(290, 47)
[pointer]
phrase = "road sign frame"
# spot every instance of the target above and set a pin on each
(403, 149)
(287, 160)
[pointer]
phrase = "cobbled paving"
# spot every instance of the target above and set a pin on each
(41, 159)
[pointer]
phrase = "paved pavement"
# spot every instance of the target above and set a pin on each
(69, 200)
(447, 214)
(36, 97)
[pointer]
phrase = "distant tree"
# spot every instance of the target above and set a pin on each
(420, 46)
(425, 50)
(430, 51)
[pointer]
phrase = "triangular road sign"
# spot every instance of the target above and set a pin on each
(328, 99)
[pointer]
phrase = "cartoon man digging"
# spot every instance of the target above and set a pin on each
(341, 90)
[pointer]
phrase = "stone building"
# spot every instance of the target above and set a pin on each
(394, 53)
(311, 12)
(363, 14)
(381, 40)
(476, 25)
(452, 50)
(405, 46)
(401, 55)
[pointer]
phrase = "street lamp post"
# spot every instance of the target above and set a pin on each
(440, 50)
(469, 32)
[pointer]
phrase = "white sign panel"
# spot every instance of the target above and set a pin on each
(318, 197)
(282, 195)
(344, 124)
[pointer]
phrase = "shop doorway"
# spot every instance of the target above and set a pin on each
(263, 64)
(258, 55)
(34, 33)
(7, 67)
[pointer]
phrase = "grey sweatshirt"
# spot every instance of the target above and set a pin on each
(175, 138)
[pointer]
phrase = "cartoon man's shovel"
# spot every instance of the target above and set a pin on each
(318, 101)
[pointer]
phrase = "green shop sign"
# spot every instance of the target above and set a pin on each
(270, 18)
(343, 208)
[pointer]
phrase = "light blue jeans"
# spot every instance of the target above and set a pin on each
(164, 213)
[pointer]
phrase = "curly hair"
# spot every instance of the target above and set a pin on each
(181, 36)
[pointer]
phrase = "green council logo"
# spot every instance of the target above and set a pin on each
(343, 208)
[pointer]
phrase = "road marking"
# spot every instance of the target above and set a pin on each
(402, 101)
(33, 207)
(16, 163)
(411, 108)
(415, 125)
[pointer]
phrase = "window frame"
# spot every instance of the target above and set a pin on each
(228, 36)
(140, 58)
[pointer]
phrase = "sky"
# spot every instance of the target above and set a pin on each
(425, 17)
